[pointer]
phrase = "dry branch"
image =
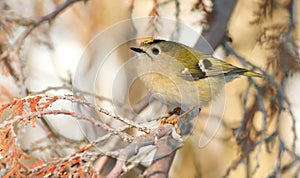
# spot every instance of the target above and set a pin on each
(145, 140)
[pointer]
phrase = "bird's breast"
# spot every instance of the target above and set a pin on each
(175, 90)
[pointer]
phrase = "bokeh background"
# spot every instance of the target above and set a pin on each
(254, 134)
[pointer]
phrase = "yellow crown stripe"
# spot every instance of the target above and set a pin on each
(151, 41)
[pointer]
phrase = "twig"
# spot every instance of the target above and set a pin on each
(42, 19)
(77, 99)
(264, 123)
(244, 130)
(71, 89)
(281, 97)
(57, 167)
(123, 135)
(12, 53)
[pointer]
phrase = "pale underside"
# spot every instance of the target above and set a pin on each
(174, 90)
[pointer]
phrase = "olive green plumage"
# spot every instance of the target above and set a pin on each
(182, 75)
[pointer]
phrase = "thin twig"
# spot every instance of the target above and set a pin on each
(98, 123)
(46, 18)
(13, 53)
(80, 100)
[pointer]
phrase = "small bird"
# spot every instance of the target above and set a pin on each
(182, 76)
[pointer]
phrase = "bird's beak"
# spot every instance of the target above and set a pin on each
(138, 50)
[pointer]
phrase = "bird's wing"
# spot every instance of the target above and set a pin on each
(192, 72)
(196, 69)
(210, 67)
(216, 67)
(198, 66)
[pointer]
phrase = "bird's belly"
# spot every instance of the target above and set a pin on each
(177, 91)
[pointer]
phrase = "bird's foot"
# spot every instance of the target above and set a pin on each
(174, 121)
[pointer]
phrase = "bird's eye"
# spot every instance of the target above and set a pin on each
(155, 51)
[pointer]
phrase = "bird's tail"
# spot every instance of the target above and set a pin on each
(252, 74)
(245, 72)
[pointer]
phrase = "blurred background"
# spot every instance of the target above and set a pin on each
(250, 130)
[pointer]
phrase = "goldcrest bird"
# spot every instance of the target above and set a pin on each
(182, 76)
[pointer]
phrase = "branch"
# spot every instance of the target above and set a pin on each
(132, 149)
(215, 35)
(163, 158)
